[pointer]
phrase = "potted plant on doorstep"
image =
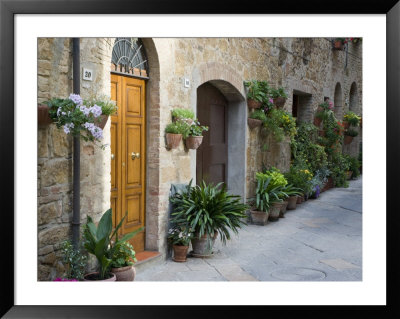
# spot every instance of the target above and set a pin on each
(179, 237)
(174, 132)
(122, 262)
(208, 210)
(99, 242)
(256, 93)
(195, 137)
(256, 118)
(279, 97)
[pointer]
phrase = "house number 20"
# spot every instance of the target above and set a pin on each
(87, 74)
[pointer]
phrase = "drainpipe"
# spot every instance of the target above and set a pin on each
(76, 216)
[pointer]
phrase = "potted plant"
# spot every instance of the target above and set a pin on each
(256, 93)
(279, 97)
(183, 115)
(281, 124)
(349, 135)
(261, 202)
(208, 210)
(174, 132)
(338, 43)
(179, 237)
(291, 198)
(80, 117)
(122, 262)
(351, 118)
(195, 137)
(99, 241)
(256, 118)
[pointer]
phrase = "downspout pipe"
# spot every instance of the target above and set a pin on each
(76, 216)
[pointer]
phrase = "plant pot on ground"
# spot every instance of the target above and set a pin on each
(95, 276)
(122, 263)
(259, 217)
(300, 199)
(275, 211)
(292, 202)
(179, 237)
(180, 253)
(283, 209)
(207, 210)
(348, 174)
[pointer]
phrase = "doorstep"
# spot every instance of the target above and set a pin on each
(147, 259)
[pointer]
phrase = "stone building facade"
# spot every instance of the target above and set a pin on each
(308, 68)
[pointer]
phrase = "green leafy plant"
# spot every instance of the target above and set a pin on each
(354, 165)
(277, 178)
(280, 123)
(338, 165)
(99, 241)
(351, 132)
(300, 177)
(180, 113)
(352, 118)
(124, 255)
(196, 130)
(177, 127)
(261, 201)
(290, 190)
(75, 260)
(279, 92)
(258, 115)
(207, 209)
(257, 90)
(179, 235)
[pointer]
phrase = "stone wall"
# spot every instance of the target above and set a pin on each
(55, 149)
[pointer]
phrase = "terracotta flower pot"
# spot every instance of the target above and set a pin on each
(299, 199)
(259, 217)
(292, 201)
(180, 253)
(43, 115)
(338, 45)
(253, 122)
(253, 104)
(279, 101)
(274, 211)
(348, 174)
(126, 273)
(317, 121)
(347, 139)
(173, 140)
(346, 125)
(283, 209)
(193, 142)
(328, 184)
(101, 121)
(202, 247)
(93, 276)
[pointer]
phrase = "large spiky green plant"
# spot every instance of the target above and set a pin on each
(207, 209)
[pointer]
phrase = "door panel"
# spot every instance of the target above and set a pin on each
(127, 171)
(212, 160)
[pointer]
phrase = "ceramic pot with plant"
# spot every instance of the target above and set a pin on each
(275, 211)
(292, 202)
(179, 237)
(260, 204)
(352, 119)
(209, 211)
(103, 242)
(174, 132)
(256, 118)
(183, 115)
(256, 93)
(290, 192)
(195, 137)
(122, 262)
(279, 97)
(81, 118)
(349, 135)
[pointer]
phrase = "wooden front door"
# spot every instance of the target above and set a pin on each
(128, 147)
(212, 155)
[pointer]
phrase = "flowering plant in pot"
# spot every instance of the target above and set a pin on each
(279, 96)
(208, 210)
(174, 132)
(183, 115)
(352, 119)
(103, 242)
(257, 92)
(78, 117)
(179, 237)
(256, 118)
(280, 123)
(122, 262)
(194, 135)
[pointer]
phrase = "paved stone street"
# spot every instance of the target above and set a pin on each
(319, 241)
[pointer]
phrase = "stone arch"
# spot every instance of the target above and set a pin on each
(338, 101)
(230, 84)
(353, 98)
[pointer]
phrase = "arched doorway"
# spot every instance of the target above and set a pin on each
(353, 106)
(129, 73)
(338, 101)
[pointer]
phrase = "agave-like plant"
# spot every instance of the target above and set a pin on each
(208, 209)
(98, 240)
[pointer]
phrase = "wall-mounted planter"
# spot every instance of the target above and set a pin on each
(43, 115)
(317, 121)
(193, 142)
(173, 140)
(348, 139)
(337, 45)
(279, 101)
(253, 104)
(253, 122)
(182, 119)
(102, 121)
(346, 125)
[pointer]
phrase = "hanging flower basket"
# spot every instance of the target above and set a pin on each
(253, 104)
(338, 45)
(279, 101)
(193, 142)
(102, 121)
(253, 122)
(346, 125)
(348, 139)
(43, 115)
(173, 140)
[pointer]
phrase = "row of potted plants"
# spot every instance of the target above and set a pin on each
(184, 125)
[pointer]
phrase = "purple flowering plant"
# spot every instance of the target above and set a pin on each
(79, 117)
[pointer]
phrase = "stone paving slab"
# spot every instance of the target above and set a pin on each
(319, 241)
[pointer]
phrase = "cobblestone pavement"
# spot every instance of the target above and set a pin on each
(319, 241)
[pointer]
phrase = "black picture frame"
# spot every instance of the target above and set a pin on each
(8, 10)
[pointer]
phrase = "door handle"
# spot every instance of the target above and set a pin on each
(112, 156)
(135, 155)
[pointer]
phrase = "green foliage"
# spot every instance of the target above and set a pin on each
(124, 255)
(280, 123)
(257, 90)
(280, 92)
(261, 201)
(290, 190)
(196, 130)
(338, 165)
(352, 118)
(351, 132)
(180, 113)
(333, 138)
(108, 107)
(177, 127)
(277, 178)
(179, 235)
(300, 177)
(354, 165)
(206, 209)
(98, 240)
(75, 260)
(258, 115)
